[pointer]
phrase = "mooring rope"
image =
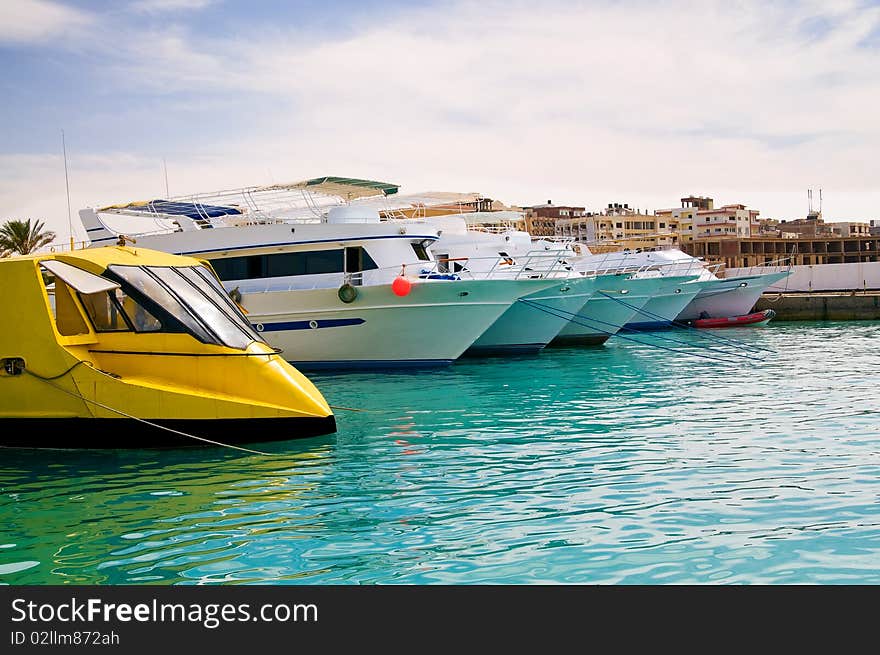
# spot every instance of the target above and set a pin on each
(679, 324)
(49, 381)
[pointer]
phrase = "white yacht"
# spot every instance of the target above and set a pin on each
(620, 301)
(714, 297)
(600, 297)
(535, 320)
(324, 280)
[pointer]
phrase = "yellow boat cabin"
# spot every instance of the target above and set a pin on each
(122, 347)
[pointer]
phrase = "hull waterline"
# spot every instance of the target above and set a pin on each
(728, 297)
(533, 321)
(662, 310)
(432, 326)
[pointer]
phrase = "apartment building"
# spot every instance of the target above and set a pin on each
(618, 223)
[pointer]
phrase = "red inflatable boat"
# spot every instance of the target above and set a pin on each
(758, 318)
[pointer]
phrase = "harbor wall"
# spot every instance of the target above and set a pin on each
(859, 276)
(823, 306)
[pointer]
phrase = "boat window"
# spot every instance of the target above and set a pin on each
(202, 306)
(197, 277)
(442, 262)
(150, 293)
(211, 278)
(357, 260)
(105, 311)
(115, 311)
(314, 262)
(239, 268)
(421, 252)
(304, 263)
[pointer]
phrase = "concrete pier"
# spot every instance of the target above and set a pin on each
(824, 306)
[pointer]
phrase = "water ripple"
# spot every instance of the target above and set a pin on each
(614, 465)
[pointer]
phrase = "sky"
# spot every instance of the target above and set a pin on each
(582, 103)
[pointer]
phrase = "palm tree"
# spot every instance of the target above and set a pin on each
(22, 237)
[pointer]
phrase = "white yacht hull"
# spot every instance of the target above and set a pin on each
(609, 309)
(530, 324)
(661, 310)
(431, 326)
(728, 297)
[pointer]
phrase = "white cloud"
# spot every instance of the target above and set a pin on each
(157, 6)
(27, 21)
(589, 104)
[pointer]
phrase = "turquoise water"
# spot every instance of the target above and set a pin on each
(617, 464)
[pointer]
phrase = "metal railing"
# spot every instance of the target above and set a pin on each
(536, 266)
(776, 264)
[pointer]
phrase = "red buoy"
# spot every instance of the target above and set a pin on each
(401, 286)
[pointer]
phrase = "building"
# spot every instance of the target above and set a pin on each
(540, 220)
(814, 226)
(620, 224)
(681, 219)
(810, 227)
(850, 229)
(804, 251)
(698, 218)
(729, 221)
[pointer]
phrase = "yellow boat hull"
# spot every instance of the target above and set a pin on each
(126, 389)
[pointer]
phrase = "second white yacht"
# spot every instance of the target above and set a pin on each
(535, 319)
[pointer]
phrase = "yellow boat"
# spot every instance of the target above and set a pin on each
(122, 347)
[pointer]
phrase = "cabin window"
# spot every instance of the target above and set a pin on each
(153, 294)
(107, 311)
(104, 311)
(421, 252)
(239, 268)
(443, 262)
(187, 299)
(357, 260)
(201, 304)
(207, 283)
(313, 262)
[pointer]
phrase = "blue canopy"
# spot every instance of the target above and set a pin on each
(194, 210)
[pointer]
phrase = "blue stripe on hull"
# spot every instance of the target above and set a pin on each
(371, 364)
(647, 326)
(504, 349)
(307, 325)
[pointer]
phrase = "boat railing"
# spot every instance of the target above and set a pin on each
(773, 266)
(538, 266)
(490, 229)
(535, 264)
(620, 262)
(63, 246)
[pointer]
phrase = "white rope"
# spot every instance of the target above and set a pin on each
(141, 420)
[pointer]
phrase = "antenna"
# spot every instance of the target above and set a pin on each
(165, 166)
(67, 186)
(820, 201)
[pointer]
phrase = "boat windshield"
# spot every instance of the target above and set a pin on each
(186, 299)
